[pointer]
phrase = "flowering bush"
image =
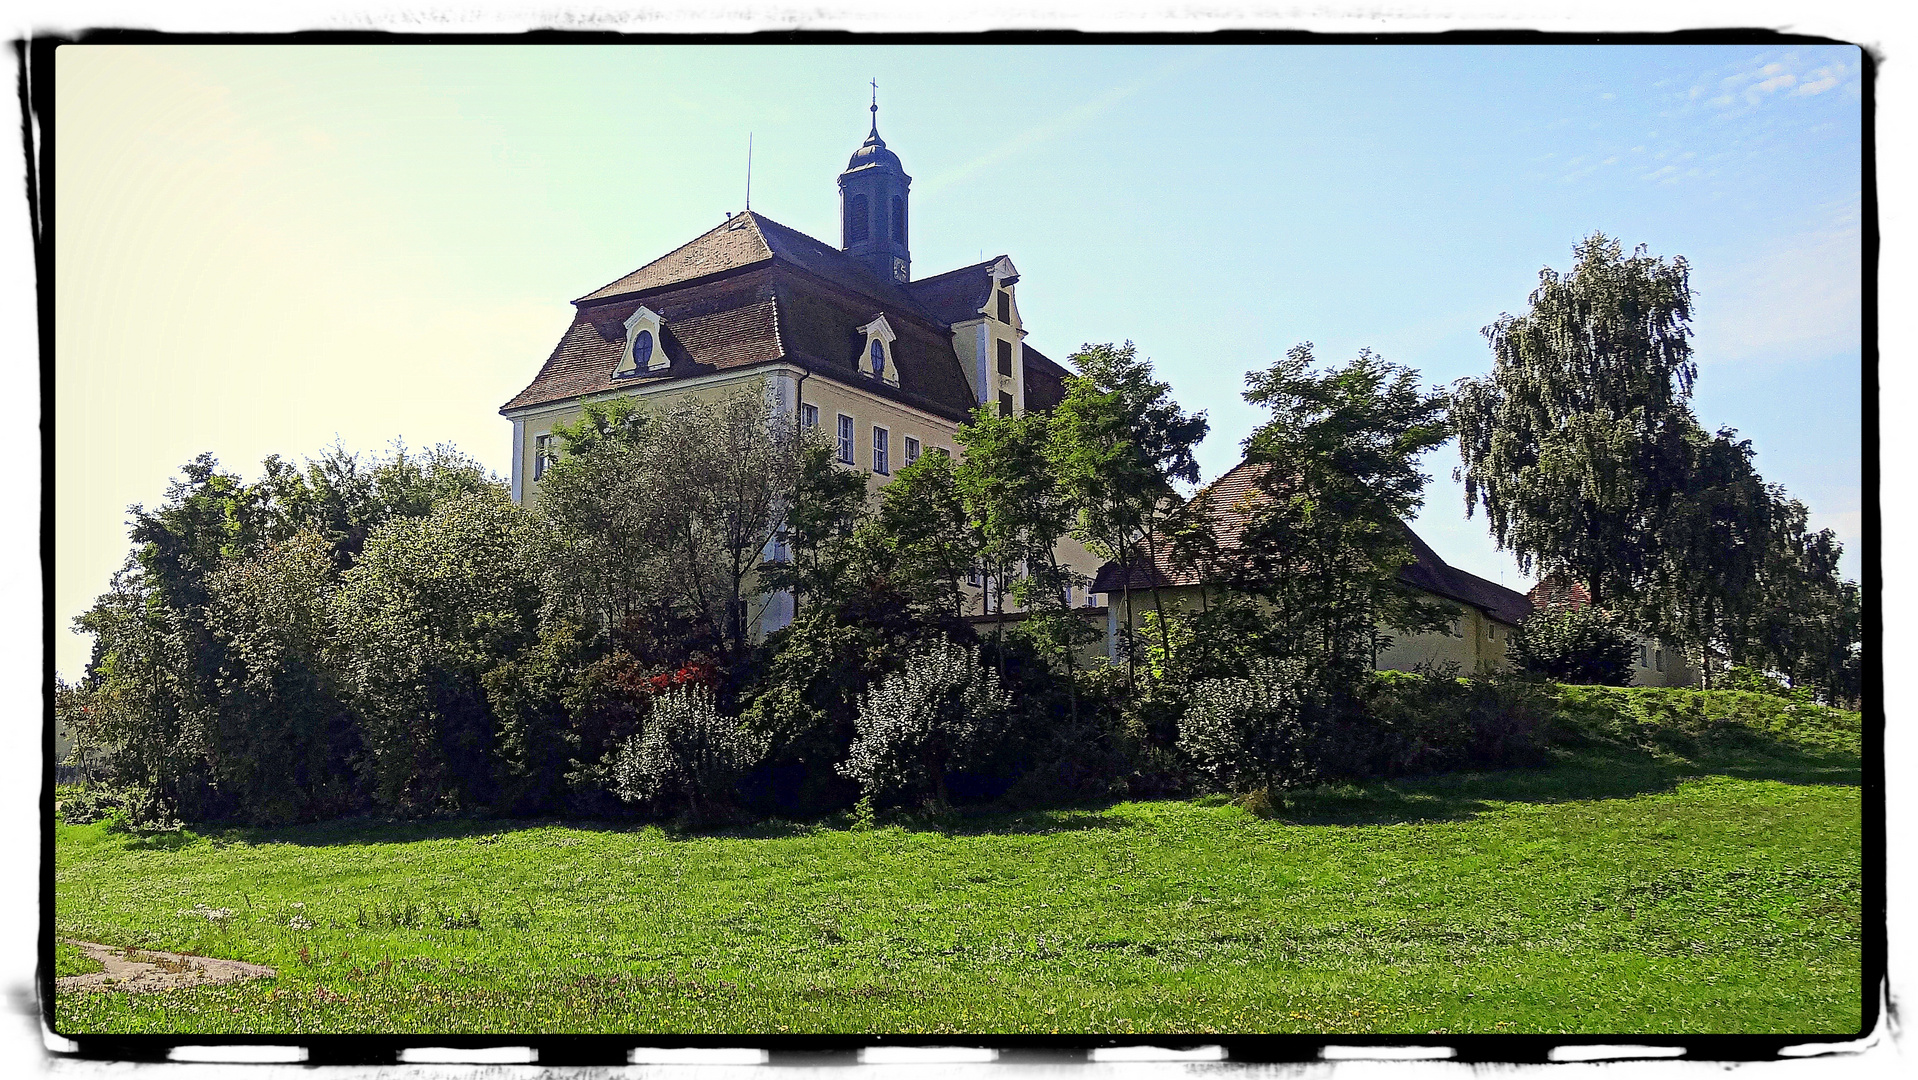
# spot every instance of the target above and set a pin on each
(687, 755)
(936, 716)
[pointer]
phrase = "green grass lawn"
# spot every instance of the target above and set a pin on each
(1628, 889)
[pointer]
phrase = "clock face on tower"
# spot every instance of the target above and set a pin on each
(899, 270)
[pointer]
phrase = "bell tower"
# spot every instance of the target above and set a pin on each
(873, 214)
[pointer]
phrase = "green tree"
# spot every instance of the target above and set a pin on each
(665, 517)
(937, 715)
(1804, 622)
(1576, 444)
(431, 606)
(1701, 583)
(1575, 644)
(1119, 443)
(922, 542)
(828, 505)
(287, 738)
(1325, 540)
(1020, 511)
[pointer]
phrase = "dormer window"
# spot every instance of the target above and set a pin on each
(876, 359)
(1005, 306)
(644, 351)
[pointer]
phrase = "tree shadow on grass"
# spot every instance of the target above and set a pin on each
(1589, 766)
(1590, 771)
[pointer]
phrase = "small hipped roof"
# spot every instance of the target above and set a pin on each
(1233, 498)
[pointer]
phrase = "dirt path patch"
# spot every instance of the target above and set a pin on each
(135, 971)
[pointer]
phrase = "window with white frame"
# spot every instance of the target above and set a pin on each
(1644, 659)
(809, 416)
(881, 455)
(912, 450)
(875, 360)
(845, 438)
(542, 453)
(645, 347)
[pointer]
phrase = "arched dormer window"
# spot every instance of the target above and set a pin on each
(876, 359)
(644, 349)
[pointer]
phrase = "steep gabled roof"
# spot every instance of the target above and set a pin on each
(1234, 499)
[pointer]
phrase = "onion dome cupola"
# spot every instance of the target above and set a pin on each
(872, 207)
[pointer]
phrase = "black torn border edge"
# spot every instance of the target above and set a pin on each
(1877, 1006)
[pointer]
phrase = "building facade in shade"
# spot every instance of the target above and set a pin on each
(840, 338)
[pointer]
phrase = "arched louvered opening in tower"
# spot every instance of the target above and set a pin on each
(899, 218)
(858, 222)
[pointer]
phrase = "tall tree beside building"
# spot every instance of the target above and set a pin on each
(1575, 444)
(664, 517)
(1326, 542)
(1119, 444)
(1021, 512)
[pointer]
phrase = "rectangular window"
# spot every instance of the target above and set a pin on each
(1005, 357)
(542, 453)
(1005, 306)
(912, 450)
(809, 416)
(975, 578)
(1643, 659)
(845, 438)
(881, 459)
(1005, 403)
(1658, 659)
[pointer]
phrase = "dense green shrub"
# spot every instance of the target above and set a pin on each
(1575, 644)
(687, 757)
(937, 715)
(1407, 723)
(86, 805)
(1254, 731)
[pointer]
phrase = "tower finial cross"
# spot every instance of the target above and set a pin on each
(875, 95)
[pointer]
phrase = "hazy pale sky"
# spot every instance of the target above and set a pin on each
(261, 249)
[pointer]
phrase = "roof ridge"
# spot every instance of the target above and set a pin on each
(959, 270)
(721, 227)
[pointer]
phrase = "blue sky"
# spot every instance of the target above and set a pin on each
(262, 249)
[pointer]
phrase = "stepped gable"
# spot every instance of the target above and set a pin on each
(1235, 496)
(747, 292)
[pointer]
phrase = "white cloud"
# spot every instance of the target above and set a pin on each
(1764, 78)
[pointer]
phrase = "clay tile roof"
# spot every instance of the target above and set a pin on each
(752, 291)
(1233, 498)
(734, 244)
(1557, 590)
